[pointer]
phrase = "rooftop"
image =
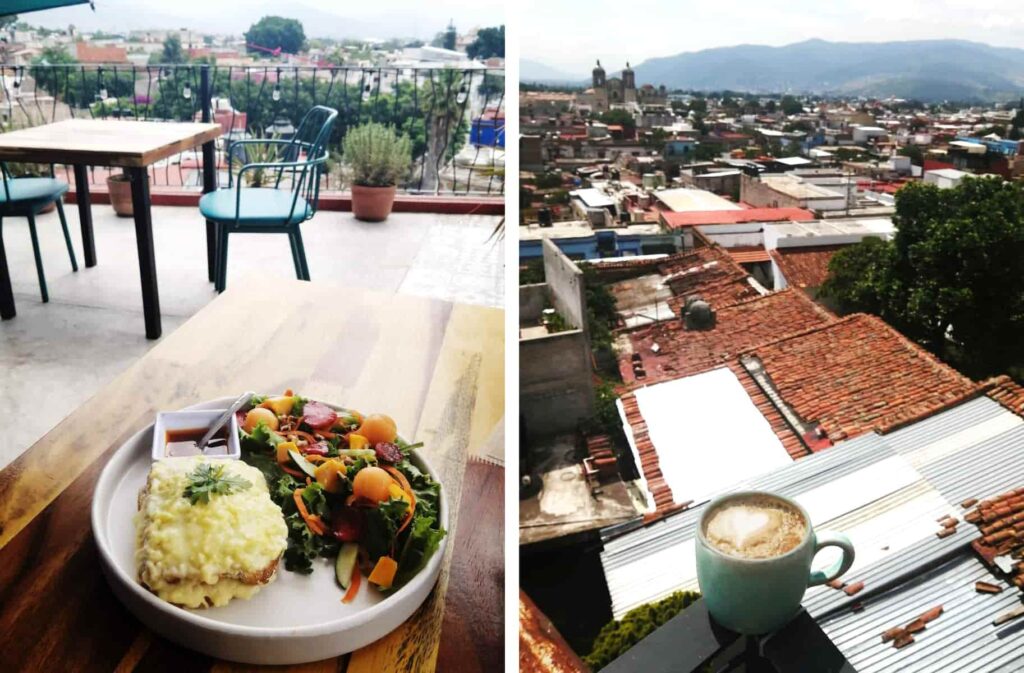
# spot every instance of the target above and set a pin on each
(676, 220)
(798, 189)
(710, 272)
(682, 352)
(684, 199)
(858, 374)
(805, 267)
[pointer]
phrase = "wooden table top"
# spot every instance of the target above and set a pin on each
(104, 142)
(436, 367)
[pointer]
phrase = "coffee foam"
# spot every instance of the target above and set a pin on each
(757, 527)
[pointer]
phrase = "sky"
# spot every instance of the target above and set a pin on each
(320, 18)
(570, 34)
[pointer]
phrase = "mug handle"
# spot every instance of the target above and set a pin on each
(830, 539)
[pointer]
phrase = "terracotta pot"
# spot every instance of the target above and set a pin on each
(120, 190)
(372, 204)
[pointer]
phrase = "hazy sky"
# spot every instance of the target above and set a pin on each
(320, 18)
(570, 34)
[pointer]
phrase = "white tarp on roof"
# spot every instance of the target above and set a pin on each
(708, 433)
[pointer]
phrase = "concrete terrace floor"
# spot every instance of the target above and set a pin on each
(55, 356)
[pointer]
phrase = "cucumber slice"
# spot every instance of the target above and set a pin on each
(346, 563)
(303, 464)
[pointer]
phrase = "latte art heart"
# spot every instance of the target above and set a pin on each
(757, 528)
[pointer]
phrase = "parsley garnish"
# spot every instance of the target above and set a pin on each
(208, 479)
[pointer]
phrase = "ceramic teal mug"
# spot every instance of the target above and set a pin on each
(760, 595)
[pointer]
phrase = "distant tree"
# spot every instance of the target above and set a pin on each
(171, 52)
(622, 117)
(414, 44)
(699, 105)
(707, 151)
(8, 21)
(791, 105)
(914, 152)
(489, 42)
(770, 106)
(276, 31)
(951, 277)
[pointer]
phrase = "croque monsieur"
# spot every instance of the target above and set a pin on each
(207, 531)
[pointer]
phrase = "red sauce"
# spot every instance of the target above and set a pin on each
(183, 442)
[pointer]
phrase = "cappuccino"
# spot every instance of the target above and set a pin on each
(755, 527)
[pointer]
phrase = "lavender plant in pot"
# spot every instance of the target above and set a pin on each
(377, 156)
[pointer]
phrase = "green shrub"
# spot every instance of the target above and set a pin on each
(377, 155)
(618, 636)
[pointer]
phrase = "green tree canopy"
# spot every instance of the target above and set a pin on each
(951, 277)
(489, 42)
(619, 117)
(791, 106)
(272, 32)
(171, 53)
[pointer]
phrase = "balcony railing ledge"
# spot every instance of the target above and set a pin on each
(338, 201)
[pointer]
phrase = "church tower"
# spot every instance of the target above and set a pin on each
(598, 76)
(628, 78)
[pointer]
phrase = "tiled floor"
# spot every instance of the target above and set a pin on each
(55, 356)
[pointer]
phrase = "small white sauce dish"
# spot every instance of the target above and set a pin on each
(194, 420)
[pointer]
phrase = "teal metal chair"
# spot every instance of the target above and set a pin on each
(25, 197)
(272, 210)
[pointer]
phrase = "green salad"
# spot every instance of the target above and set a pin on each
(347, 489)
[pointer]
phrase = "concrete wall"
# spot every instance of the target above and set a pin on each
(555, 383)
(531, 302)
(565, 282)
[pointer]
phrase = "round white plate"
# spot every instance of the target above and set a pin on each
(295, 619)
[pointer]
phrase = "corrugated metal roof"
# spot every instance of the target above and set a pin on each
(972, 450)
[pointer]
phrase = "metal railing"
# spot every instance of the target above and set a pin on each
(453, 116)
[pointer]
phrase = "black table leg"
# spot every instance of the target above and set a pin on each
(6, 295)
(147, 259)
(211, 250)
(85, 212)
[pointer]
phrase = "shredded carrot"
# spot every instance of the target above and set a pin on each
(306, 436)
(315, 458)
(326, 435)
(294, 473)
(353, 587)
(404, 483)
(314, 522)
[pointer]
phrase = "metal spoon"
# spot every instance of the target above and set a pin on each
(223, 418)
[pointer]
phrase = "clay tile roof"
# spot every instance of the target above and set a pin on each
(698, 217)
(749, 255)
(93, 53)
(1006, 392)
(738, 327)
(542, 649)
(858, 374)
(805, 267)
(710, 272)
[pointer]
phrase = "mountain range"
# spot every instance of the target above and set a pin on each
(928, 70)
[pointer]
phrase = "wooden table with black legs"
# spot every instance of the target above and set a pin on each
(131, 145)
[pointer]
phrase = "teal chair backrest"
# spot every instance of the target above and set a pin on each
(311, 137)
(303, 157)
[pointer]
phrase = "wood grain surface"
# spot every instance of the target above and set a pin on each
(104, 142)
(434, 366)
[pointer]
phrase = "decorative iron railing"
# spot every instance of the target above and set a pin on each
(454, 116)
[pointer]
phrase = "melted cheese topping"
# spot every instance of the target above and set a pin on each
(206, 554)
